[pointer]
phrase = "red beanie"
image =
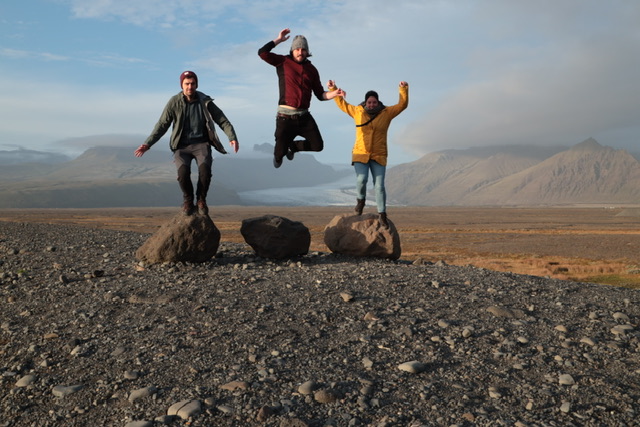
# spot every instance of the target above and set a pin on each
(188, 75)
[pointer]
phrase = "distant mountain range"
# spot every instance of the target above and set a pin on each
(587, 173)
(114, 177)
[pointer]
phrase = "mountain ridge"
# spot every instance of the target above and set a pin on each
(585, 173)
(107, 176)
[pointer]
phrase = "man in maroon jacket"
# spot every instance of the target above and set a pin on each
(297, 79)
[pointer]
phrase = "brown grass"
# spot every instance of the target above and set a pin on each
(581, 244)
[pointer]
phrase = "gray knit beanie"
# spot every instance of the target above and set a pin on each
(300, 42)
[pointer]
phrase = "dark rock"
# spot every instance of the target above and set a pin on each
(193, 238)
(276, 237)
(362, 236)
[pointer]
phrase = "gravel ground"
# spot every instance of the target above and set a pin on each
(89, 337)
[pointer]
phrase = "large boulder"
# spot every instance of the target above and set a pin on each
(362, 236)
(193, 238)
(276, 237)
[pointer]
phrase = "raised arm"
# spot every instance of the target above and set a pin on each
(282, 36)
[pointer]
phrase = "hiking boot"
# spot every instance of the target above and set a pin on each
(383, 220)
(276, 163)
(187, 207)
(359, 206)
(290, 154)
(203, 209)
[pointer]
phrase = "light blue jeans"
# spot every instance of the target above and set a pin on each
(362, 176)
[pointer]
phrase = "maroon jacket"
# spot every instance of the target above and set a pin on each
(295, 80)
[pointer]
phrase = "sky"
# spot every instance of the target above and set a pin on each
(480, 73)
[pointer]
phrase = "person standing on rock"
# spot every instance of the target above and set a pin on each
(298, 78)
(372, 119)
(190, 139)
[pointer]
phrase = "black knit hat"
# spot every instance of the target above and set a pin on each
(370, 94)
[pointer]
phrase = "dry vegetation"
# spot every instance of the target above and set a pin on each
(582, 244)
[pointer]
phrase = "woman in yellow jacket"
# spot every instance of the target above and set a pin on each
(372, 119)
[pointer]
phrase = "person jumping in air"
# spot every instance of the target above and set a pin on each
(372, 119)
(297, 79)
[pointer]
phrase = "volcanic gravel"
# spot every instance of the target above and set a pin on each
(90, 337)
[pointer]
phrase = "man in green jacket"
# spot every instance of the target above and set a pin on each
(190, 139)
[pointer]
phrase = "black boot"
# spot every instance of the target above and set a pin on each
(383, 220)
(187, 206)
(201, 204)
(359, 206)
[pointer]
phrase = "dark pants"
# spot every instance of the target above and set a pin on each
(182, 157)
(288, 127)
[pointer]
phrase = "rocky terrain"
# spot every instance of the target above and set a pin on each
(90, 337)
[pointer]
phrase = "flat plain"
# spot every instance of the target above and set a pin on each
(594, 244)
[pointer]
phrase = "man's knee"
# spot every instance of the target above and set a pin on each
(204, 171)
(184, 172)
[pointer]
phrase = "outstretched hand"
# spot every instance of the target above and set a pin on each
(141, 150)
(235, 145)
(333, 91)
(282, 36)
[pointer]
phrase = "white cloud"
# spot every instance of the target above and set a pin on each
(26, 54)
(555, 84)
(496, 71)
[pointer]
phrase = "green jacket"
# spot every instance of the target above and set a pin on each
(174, 113)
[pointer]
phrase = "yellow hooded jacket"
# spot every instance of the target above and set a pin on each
(371, 139)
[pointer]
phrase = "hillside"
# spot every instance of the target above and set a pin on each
(114, 177)
(585, 173)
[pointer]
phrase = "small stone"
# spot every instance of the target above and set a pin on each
(185, 409)
(566, 379)
(324, 396)
(131, 375)
(443, 323)
(469, 417)
(367, 390)
(494, 393)
(621, 329)
(501, 311)
(370, 317)
(225, 409)
(307, 387)
(561, 328)
(621, 317)
(413, 367)
(118, 351)
(346, 297)
(368, 363)
(26, 381)
(142, 393)
(62, 391)
(587, 341)
(565, 407)
(235, 385)
(264, 413)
